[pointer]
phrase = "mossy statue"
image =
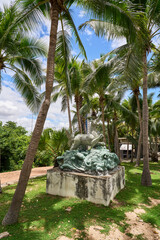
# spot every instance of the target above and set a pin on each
(95, 161)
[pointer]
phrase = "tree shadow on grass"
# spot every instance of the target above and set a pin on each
(134, 192)
(46, 217)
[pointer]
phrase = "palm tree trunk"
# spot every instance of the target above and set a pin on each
(84, 129)
(116, 141)
(156, 143)
(69, 115)
(132, 149)
(83, 120)
(78, 114)
(136, 93)
(101, 100)
(146, 177)
(109, 142)
(13, 212)
(127, 145)
(0, 161)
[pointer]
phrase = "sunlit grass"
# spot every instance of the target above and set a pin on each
(45, 217)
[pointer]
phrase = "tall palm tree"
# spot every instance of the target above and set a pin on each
(150, 19)
(131, 70)
(61, 90)
(98, 81)
(76, 86)
(20, 53)
(31, 9)
(62, 78)
(147, 25)
(131, 122)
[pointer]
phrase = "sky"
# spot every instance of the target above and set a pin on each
(12, 106)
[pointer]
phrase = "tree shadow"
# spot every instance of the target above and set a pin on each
(47, 217)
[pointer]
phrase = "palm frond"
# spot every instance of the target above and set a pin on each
(30, 65)
(104, 29)
(64, 103)
(28, 91)
(68, 18)
(121, 13)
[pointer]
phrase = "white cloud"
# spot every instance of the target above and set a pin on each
(82, 14)
(4, 2)
(118, 42)
(73, 52)
(88, 32)
(13, 108)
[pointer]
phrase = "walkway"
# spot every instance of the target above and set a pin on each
(8, 178)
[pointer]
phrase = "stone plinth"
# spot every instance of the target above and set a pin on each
(96, 189)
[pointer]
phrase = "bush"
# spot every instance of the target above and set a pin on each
(13, 145)
(44, 158)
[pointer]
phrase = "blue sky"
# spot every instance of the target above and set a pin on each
(12, 107)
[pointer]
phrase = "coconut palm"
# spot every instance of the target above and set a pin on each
(76, 86)
(131, 70)
(20, 53)
(32, 12)
(154, 128)
(147, 24)
(99, 79)
(62, 79)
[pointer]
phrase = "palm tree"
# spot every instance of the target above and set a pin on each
(20, 54)
(147, 26)
(62, 78)
(76, 87)
(32, 11)
(66, 74)
(131, 70)
(130, 121)
(61, 90)
(98, 81)
(149, 21)
(154, 127)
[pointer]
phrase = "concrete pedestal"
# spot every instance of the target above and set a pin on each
(96, 189)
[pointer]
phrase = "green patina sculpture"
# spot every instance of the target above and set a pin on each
(96, 161)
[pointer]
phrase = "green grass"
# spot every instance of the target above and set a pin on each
(44, 217)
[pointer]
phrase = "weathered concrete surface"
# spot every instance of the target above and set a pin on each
(96, 189)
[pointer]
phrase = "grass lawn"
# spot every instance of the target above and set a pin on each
(45, 217)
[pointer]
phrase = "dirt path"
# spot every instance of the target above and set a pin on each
(8, 178)
(137, 228)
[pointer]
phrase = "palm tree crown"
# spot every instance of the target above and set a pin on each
(20, 54)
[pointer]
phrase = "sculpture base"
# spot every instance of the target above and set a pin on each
(96, 189)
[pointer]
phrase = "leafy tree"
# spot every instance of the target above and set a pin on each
(13, 146)
(52, 143)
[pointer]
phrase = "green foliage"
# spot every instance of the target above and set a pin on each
(21, 54)
(13, 146)
(14, 143)
(44, 158)
(52, 143)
